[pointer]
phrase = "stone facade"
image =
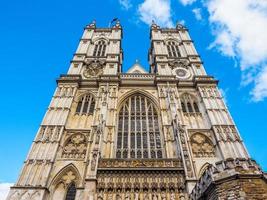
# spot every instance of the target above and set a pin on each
(162, 134)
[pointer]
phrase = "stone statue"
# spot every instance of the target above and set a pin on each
(154, 197)
(163, 196)
(127, 196)
(136, 196)
(172, 196)
(118, 197)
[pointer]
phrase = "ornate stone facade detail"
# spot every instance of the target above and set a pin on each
(93, 68)
(140, 185)
(139, 135)
(144, 163)
(202, 146)
(226, 170)
(75, 147)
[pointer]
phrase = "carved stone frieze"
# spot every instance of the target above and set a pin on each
(144, 163)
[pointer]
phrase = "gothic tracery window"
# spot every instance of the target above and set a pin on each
(86, 105)
(100, 48)
(173, 49)
(138, 129)
(71, 192)
(189, 104)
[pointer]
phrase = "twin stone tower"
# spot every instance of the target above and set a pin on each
(165, 134)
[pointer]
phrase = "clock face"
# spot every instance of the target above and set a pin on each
(181, 73)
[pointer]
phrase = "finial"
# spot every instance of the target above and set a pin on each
(179, 25)
(153, 25)
(92, 24)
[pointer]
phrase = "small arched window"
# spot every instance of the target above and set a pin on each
(138, 129)
(189, 104)
(100, 48)
(173, 49)
(71, 192)
(86, 105)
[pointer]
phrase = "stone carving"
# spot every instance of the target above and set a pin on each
(94, 160)
(117, 163)
(179, 63)
(93, 68)
(127, 195)
(155, 197)
(100, 196)
(110, 196)
(75, 147)
(25, 195)
(181, 133)
(241, 166)
(172, 197)
(202, 146)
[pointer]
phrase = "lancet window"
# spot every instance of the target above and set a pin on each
(173, 49)
(71, 192)
(189, 104)
(100, 48)
(138, 129)
(86, 105)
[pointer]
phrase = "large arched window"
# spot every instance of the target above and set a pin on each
(138, 129)
(71, 192)
(173, 49)
(86, 105)
(100, 48)
(189, 104)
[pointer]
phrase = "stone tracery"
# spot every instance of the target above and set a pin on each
(202, 146)
(75, 147)
(138, 129)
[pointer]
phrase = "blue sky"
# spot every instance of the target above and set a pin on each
(38, 40)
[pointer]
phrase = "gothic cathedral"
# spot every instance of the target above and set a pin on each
(165, 134)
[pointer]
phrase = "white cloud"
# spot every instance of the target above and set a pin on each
(239, 28)
(187, 2)
(126, 4)
(260, 89)
(197, 13)
(157, 10)
(4, 189)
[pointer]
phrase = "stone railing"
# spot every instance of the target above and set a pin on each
(140, 163)
(224, 169)
(137, 76)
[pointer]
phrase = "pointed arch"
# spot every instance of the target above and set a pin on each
(100, 47)
(173, 48)
(140, 91)
(71, 191)
(139, 134)
(203, 169)
(85, 104)
(61, 182)
(189, 103)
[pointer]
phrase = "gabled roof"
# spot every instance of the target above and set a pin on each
(137, 69)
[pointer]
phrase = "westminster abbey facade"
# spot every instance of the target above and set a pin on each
(165, 134)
